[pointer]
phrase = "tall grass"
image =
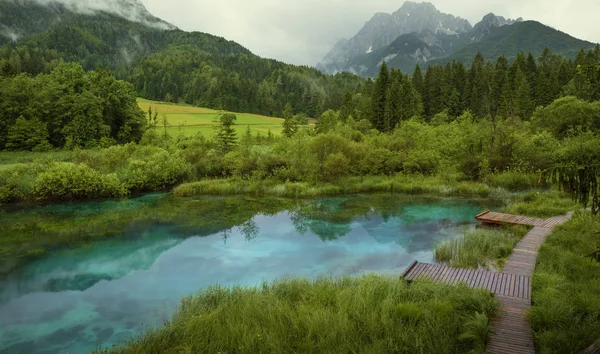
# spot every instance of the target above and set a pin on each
(566, 288)
(370, 184)
(482, 247)
(371, 314)
(542, 204)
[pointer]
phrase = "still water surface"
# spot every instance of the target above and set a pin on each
(163, 248)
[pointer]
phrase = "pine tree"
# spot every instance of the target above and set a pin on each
(347, 106)
(479, 87)
(417, 81)
(290, 126)
(226, 135)
(522, 101)
(393, 111)
(500, 80)
(412, 104)
(546, 84)
(379, 98)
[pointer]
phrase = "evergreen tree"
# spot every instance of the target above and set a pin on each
(500, 80)
(379, 98)
(546, 83)
(290, 126)
(479, 87)
(417, 81)
(522, 101)
(394, 101)
(226, 137)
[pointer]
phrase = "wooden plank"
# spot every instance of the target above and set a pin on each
(418, 270)
(435, 272)
(408, 269)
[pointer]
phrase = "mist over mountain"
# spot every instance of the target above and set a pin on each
(420, 34)
(21, 18)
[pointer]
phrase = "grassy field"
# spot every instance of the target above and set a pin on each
(188, 120)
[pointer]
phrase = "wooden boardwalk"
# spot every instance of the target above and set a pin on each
(511, 331)
(490, 217)
(505, 284)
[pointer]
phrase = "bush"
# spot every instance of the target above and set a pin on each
(68, 181)
(336, 166)
(158, 171)
(17, 181)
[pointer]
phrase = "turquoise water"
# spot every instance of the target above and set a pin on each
(75, 300)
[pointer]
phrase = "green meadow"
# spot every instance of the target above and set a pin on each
(191, 121)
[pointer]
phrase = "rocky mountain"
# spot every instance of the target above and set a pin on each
(425, 41)
(383, 29)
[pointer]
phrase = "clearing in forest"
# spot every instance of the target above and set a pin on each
(189, 120)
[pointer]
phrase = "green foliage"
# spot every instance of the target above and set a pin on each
(295, 315)
(67, 108)
(226, 136)
(155, 171)
(336, 166)
(68, 181)
(581, 182)
(541, 204)
(29, 135)
(290, 124)
(568, 115)
(566, 308)
(480, 247)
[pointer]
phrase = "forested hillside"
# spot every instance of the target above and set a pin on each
(166, 64)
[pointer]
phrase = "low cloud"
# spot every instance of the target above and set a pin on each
(303, 31)
(132, 10)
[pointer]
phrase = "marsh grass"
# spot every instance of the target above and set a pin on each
(369, 314)
(541, 204)
(566, 288)
(350, 185)
(483, 247)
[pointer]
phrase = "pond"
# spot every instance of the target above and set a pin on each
(158, 248)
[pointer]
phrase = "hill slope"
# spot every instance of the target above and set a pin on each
(164, 63)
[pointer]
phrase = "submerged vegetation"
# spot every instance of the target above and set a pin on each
(371, 314)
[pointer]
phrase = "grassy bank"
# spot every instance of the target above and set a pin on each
(371, 314)
(369, 184)
(566, 287)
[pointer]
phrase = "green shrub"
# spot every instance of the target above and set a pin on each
(336, 166)
(158, 171)
(17, 181)
(69, 181)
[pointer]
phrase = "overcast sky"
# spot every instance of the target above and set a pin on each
(303, 31)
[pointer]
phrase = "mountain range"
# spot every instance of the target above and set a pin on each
(418, 33)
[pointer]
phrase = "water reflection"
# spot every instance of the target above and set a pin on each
(163, 248)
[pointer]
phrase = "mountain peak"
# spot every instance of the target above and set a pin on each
(383, 28)
(490, 21)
